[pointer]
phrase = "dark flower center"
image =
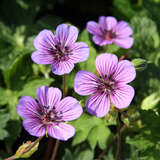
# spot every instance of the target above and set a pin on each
(51, 115)
(60, 53)
(107, 85)
(109, 35)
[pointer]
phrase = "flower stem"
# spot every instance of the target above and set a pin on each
(118, 139)
(55, 150)
(111, 142)
(57, 141)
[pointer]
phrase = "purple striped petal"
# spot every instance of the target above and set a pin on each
(80, 52)
(107, 23)
(100, 40)
(123, 30)
(70, 109)
(98, 104)
(34, 126)
(44, 41)
(93, 28)
(66, 34)
(27, 107)
(61, 131)
(62, 67)
(124, 42)
(85, 83)
(42, 57)
(122, 96)
(106, 64)
(125, 72)
(48, 96)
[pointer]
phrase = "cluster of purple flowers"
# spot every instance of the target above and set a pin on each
(48, 113)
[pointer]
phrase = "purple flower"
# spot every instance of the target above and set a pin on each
(108, 31)
(111, 87)
(49, 113)
(61, 50)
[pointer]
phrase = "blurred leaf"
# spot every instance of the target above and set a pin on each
(150, 102)
(146, 39)
(121, 4)
(4, 118)
(17, 74)
(139, 63)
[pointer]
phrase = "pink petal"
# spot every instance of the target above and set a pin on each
(100, 40)
(40, 57)
(106, 64)
(70, 109)
(125, 72)
(48, 96)
(107, 23)
(122, 96)
(124, 42)
(61, 131)
(98, 104)
(62, 67)
(80, 52)
(34, 126)
(66, 34)
(44, 40)
(85, 83)
(27, 107)
(123, 30)
(93, 28)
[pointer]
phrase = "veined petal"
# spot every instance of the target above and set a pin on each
(34, 126)
(66, 34)
(107, 23)
(85, 83)
(62, 67)
(80, 52)
(93, 28)
(42, 57)
(123, 29)
(106, 64)
(124, 42)
(70, 109)
(101, 41)
(48, 96)
(44, 40)
(125, 72)
(61, 131)
(122, 96)
(98, 104)
(28, 107)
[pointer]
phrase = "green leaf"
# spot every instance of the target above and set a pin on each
(30, 87)
(88, 65)
(67, 155)
(3, 134)
(4, 118)
(102, 135)
(85, 155)
(150, 102)
(139, 63)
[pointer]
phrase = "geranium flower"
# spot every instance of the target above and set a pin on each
(108, 31)
(49, 113)
(61, 50)
(111, 87)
